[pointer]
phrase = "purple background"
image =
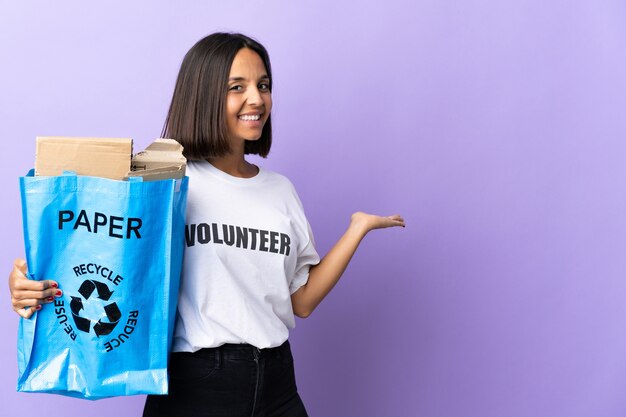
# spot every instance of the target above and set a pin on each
(496, 128)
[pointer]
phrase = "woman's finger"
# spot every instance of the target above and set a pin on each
(396, 220)
(25, 284)
(50, 292)
(31, 302)
(20, 265)
(27, 312)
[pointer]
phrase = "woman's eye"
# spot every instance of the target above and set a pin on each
(264, 86)
(235, 88)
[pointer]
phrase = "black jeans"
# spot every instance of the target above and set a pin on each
(230, 381)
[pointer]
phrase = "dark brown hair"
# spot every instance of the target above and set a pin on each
(196, 118)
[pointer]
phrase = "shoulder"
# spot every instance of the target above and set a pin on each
(276, 177)
(280, 182)
(193, 167)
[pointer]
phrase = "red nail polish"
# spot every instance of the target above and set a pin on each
(54, 285)
(50, 298)
(58, 293)
(38, 307)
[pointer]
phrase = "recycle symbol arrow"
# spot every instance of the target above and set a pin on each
(112, 311)
(81, 323)
(113, 314)
(87, 287)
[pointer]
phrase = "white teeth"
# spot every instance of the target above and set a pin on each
(250, 118)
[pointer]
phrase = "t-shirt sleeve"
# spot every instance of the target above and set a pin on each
(307, 257)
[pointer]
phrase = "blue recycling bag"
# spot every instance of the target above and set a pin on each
(115, 248)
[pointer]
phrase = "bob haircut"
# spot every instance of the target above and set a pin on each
(196, 117)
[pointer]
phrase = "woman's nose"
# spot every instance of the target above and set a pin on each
(254, 96)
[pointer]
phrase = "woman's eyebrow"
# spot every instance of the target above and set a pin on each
(262, 77)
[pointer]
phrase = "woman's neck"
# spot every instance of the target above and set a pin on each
(235, 164)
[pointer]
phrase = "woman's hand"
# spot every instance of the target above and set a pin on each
(27, 295)
(324, 276)
(366, 222)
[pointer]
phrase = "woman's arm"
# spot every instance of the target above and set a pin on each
(324, 276)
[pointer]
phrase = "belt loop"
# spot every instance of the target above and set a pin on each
(218, 357)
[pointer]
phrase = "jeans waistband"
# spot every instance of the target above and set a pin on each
(245, 351)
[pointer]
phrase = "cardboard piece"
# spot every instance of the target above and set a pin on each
(96, 157)
(162, 159)
(109, 158)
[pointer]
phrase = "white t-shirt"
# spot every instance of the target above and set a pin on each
(248, 247)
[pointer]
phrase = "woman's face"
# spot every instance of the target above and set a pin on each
(249, 101)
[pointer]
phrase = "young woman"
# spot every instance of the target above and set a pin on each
(250, 263)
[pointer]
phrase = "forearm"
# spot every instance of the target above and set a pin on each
(324, 276)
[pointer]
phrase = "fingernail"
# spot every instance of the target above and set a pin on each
(58, 293)
(54, 285)
(38, 307)
(50, 298)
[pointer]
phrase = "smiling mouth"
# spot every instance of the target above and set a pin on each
(250, 118)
